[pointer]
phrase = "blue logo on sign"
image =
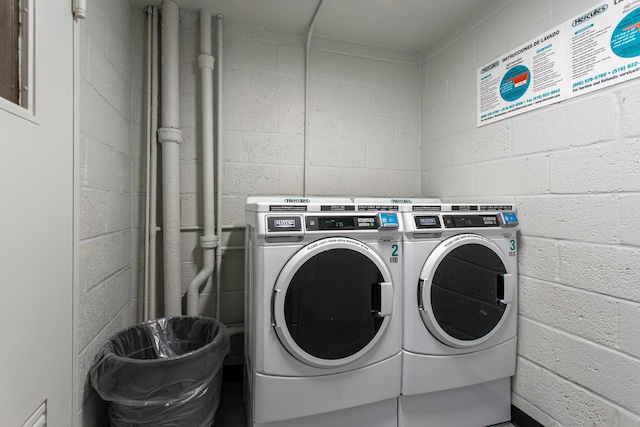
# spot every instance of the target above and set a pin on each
(625, 40)
(515, 83)
(284, 223)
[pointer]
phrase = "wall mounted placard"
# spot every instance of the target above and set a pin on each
(597, 48)
(528, 77)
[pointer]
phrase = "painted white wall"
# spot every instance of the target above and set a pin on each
(580, 307)
(364, 132)
(108, 146)
(573, 171)
(364, 103)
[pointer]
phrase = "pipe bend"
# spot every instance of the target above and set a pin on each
(193, 293)
(209, 242)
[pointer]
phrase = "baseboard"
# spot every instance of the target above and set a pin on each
(520, 419)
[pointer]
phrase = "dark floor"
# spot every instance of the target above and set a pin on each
(230, 412)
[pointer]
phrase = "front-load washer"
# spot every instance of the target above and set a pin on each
(323, 319)
(460, 314)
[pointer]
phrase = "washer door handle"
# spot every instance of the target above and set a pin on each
(505, 287)
(382, 299)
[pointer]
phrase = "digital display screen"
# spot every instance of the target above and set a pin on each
(336, 223)
(466, 221)
(460, 221)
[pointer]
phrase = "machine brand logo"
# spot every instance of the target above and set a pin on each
(489, 67)
(584, 18)
(284, 223)
(297, 200)
(401, 201)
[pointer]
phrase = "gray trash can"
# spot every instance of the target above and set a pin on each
(164, 372)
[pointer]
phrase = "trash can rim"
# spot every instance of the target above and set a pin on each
(178, 357)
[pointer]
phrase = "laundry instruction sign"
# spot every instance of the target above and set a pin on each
(595, 49)
(526, 78)
(605, 46)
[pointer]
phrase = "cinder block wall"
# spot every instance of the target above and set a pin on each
(573, 171)
(363, 138)
(107, 278)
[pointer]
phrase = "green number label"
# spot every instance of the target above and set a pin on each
(513, 245)
(395, 250)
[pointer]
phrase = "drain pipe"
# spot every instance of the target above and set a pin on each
(147, 229)
(170, 136)
(231, 329)
(209, 240)
(219, 18)
(305, 166)
(153, 178)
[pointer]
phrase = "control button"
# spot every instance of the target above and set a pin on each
(312, 224)
(448, 221)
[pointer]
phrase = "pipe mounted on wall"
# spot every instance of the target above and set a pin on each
(307, 52)
(219, 18)
(170, 136)
(153, 177)
(209, 241)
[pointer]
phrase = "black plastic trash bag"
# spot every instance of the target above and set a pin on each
(164, 372)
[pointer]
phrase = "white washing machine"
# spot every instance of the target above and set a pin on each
(323, 319)
(460, 314)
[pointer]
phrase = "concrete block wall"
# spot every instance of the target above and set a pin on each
(572, 170)
(106, 269)
(363, 139)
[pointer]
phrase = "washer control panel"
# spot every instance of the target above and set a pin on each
(500, 219)
(383, 220)
(434, 223)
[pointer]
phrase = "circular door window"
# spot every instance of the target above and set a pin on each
(462, 290)
(331, 301)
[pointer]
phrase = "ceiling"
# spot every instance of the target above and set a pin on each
(411, 25)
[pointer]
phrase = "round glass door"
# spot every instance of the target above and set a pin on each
(462, 290)
(331, 302)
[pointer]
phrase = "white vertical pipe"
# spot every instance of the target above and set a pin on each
(209, 241)
(153, 199)
(147, 216)
(171, 137)
(307, 52)
(219, 18)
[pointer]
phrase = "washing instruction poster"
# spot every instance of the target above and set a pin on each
(604, 46)
(597, 48)
(526, 78)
